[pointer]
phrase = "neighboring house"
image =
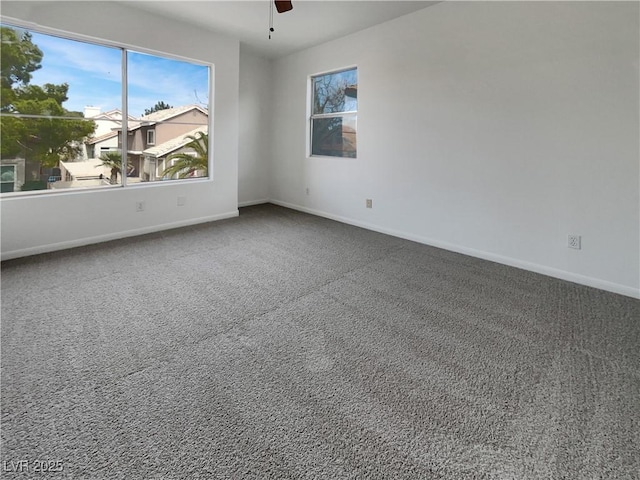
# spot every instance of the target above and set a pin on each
(151, 139)
(12, 174)
(156, 129)
(16, 172)
(155, 159)
(96, 146)
(105, 136)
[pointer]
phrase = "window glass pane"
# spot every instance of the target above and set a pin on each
(168, 138)
(335, 136)
(335, 92)
(7, 173)
(57, 95)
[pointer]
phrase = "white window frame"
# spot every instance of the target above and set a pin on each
(316, 116)
(151, 136)
(125, 48)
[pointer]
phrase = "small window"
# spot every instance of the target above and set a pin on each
(151, 137)
(334, 112)
(7, 178)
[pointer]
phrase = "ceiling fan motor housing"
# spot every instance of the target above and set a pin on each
(283, 6)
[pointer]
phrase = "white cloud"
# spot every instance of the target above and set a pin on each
(94, 75)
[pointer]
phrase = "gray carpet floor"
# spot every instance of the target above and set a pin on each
(283, 345)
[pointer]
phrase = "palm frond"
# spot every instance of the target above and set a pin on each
(185, 163)
(111, 160)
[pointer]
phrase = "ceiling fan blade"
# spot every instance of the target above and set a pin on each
(283, 6)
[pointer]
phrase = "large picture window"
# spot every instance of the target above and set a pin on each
(63, 120)
(334, 111)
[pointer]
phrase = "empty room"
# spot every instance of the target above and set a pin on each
(342, 239)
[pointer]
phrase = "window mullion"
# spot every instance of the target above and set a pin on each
(334, 114)
(125, 121)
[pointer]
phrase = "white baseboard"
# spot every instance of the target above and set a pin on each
(253, 202)
(513, 262)
(80, 242)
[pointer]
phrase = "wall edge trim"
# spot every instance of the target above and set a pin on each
(250, 203)
(80, 242)
(510, 261)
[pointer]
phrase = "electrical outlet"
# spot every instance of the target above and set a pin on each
(369, 203)
(139, 206)
(574, 241)
(182, 200)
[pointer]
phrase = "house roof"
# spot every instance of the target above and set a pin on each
(173, 144)
(164, 115)
(101, 138)
(114, 114)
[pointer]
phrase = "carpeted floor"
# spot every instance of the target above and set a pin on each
(283, 345)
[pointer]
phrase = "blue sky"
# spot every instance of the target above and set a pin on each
(329, 83)
(94, 75)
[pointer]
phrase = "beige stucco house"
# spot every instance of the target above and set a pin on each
(155, 159)
(149, 133)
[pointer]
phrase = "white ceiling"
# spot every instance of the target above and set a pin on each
(309, 23)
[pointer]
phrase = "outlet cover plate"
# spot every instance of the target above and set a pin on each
(574, 241)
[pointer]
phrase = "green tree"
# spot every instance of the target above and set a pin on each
(31, 126)
(112, 160)
(185, 163)
(157, 107)
(44, 137)
(19, 58)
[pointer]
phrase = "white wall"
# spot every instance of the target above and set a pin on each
(490, 128)
(255, 119)
(46, 222)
